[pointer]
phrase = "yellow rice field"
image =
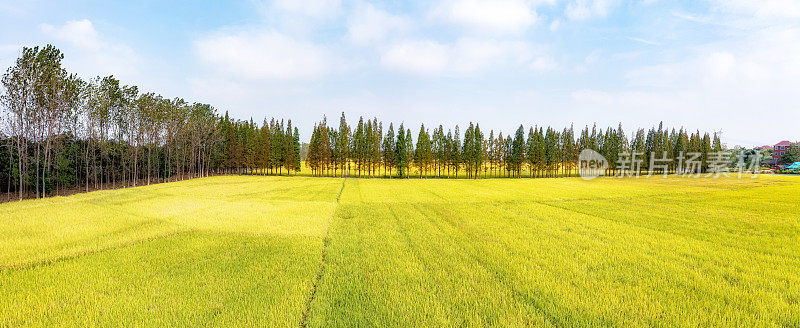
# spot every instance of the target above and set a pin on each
(323, 252)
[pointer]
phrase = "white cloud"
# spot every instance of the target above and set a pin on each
(691, 18)
(593, 57)
(720, 64)
(465, 56)
(543, 63)
(473, 55)
(537, 3)
(416, 57)
(661, 75)
(368, 24)
(763, 8)
(8, 54)
(555, 25)
(262, 54)
(762, 63)
(586, 9)
(733, 85)
(645, 41)
(488, 16)
(311, 8)
(80, 33)
(87, 52)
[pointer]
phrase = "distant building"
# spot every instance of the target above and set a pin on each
(778, 151)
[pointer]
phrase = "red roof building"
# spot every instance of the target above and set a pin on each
(780, 149)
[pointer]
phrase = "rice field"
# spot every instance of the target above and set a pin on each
(327, 252)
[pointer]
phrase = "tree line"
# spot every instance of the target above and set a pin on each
(61, 133)
(366, 150)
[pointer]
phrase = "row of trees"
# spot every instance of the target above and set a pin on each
(61, 133)
(366, 150)
(272, 148)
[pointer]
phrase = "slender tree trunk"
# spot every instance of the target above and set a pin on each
(38, 146)
(21, 172)
(10, 167)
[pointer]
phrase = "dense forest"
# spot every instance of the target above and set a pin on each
(367, 150)
(62, 133)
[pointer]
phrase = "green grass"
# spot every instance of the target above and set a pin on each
(276, 251)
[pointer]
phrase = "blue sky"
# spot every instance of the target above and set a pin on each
(714, 65)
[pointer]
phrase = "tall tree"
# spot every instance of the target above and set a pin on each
(401, 151)
(389, 149)
(423, 155)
